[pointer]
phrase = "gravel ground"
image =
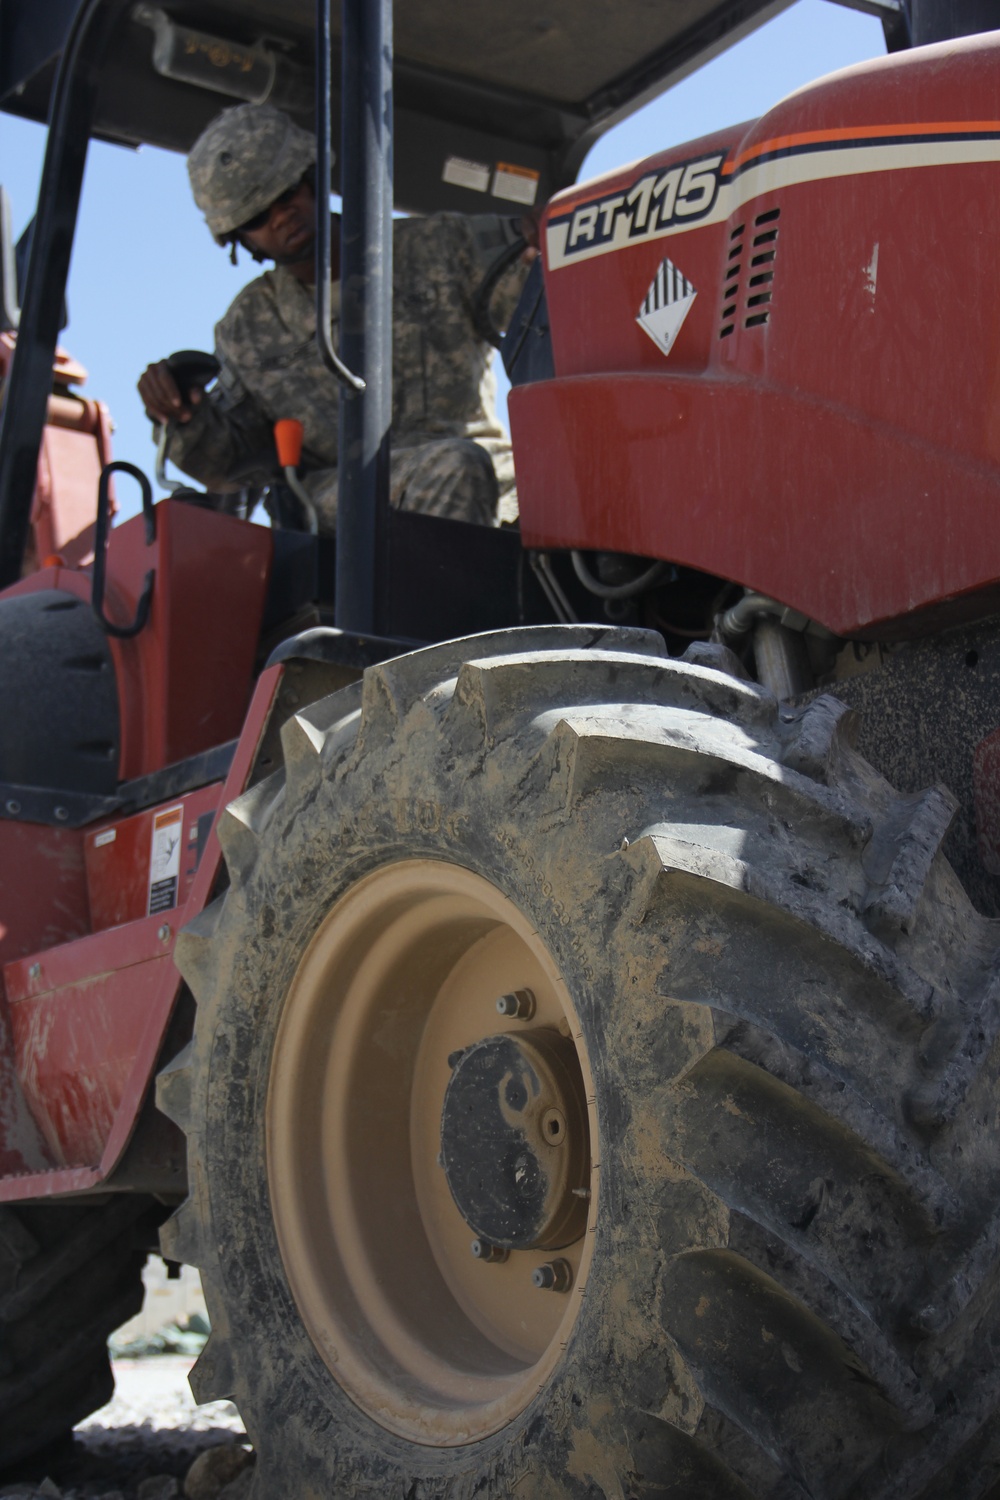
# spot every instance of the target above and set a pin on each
(151, 1427)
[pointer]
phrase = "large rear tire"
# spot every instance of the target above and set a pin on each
(69, 1276)
(761, 1017)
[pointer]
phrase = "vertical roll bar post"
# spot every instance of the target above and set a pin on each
(366, 299)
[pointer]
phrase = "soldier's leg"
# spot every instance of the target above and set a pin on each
(451, 477)
(502, 458)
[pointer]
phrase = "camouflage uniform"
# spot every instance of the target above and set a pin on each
(444, 422)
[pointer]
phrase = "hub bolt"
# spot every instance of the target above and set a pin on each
(520, 1004)
(493, 1254)
(553, 1276)
(553, 1127)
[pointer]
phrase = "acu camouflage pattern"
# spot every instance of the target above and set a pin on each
(248, 156)
(444, 391)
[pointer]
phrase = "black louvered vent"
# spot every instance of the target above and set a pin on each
(750, 273)
(761, 268)
(731, 282)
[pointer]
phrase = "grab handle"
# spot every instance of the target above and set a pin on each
(120, 632)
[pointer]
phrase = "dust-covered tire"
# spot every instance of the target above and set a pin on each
(69, 1276)
(784, 1013)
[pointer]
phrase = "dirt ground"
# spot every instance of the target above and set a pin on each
(151, 1427)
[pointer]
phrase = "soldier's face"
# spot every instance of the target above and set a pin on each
(287, 235)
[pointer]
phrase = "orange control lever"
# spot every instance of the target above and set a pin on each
(288, 441)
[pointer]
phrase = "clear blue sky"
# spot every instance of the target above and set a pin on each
(146, 277)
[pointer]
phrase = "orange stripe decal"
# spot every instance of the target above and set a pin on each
(859, 134)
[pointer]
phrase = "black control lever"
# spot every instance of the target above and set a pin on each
(192, 368)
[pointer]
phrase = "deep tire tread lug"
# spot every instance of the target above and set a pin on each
(717, 657)
(212, 1377)
(820, 735)
(195, 954)
(893, 900)
(240, 826)
(180, 1236)
(792, 1352)
(173, 1088)
(302, 747)
(680, 862)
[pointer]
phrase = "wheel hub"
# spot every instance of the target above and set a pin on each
(514, 1140)
(410, 1114)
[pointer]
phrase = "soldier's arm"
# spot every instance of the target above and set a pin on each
(161, 395)
(225, 441)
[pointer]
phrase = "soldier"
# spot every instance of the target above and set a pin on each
(252, 173)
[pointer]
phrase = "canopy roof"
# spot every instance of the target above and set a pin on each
(522, 84)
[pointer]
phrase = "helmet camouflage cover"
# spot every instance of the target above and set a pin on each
(248, 156)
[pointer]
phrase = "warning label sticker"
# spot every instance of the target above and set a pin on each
(165, 859)
(667, 304)
(516, 184)
(461, 172)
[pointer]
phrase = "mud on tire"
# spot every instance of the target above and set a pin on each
(783, 1014)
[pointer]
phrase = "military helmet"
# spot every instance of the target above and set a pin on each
(248, 156)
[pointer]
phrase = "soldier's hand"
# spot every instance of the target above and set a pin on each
(161, 396)
(529, 228)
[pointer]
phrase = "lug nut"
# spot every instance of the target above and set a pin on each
(494, 1255)
(520, 1004)
(553, 1276)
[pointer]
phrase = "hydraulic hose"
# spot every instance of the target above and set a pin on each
(627, 590)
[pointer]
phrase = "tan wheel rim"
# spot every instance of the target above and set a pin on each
(404, 973)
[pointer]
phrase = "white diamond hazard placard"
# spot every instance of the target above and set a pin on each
(667, 304)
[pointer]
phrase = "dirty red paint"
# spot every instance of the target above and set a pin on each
(87, 1020)
(44, 899)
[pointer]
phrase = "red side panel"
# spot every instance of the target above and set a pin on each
(87, 1018)
(147, 863)
(43, 894)
(794, 348)
(78, 1016)
(634, 464)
